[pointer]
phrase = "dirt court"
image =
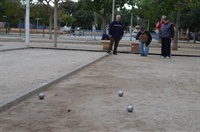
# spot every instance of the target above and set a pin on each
(165, 94)
(23, 70)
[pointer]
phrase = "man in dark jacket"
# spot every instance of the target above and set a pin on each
(167, 34)
(145, 39)
(116, 32)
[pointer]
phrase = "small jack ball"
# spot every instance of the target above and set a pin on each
(130, 108)
(41, 95)
(120, 93)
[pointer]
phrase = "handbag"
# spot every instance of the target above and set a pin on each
(143, 38)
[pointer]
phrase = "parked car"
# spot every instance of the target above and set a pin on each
(191, 36)
(134, 33)
(66, 29)
(78, 28)
(198, 37)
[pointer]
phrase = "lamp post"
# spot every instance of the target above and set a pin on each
(95, 21)
(131, 27)
(138, 20)
(148, 25)
(37, 21)
(27, 22)
(113, 10)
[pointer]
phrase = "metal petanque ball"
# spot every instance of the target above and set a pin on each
(41, 95)
(130, 108)
(120, 93)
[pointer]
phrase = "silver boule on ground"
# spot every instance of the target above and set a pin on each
(41, 95)
(120, 93)
(130, 108)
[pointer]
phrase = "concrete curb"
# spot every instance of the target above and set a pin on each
(41, 87)
(125, 52)
(22, 48)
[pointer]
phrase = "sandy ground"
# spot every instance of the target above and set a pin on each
(165, 94)
(23, 70)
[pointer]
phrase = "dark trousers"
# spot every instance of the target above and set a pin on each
(166, 47)
(112, 40)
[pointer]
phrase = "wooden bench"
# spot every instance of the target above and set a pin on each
(135, 48)
(105, 44)
(183, 37)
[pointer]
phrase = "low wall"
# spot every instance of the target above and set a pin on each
(33, 31)
(46, 31)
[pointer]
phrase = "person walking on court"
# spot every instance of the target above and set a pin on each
(145, 39)
(116, 32)
(167, 34)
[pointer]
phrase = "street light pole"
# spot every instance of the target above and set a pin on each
(131, 27)
(27, 22)
(113, 10)
(148, 25)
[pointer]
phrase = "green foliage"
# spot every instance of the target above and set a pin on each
(98, 6)
(2, 9)
(67, 19)
(102, 8)
(82, 12)
(11, 11)
(38, 11)
(153, 9)
(126, 15)
(84, 17)
(190, 19)
(69, 7)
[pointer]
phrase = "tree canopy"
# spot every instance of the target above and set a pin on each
(76, 12)
(154, 9)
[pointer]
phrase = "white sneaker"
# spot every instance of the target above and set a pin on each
(161, 56)
(167, 57)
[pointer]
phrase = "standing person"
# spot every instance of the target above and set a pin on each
(145, 39)
(116, 32)
(161, 23)
(167, 34)
(158, 27)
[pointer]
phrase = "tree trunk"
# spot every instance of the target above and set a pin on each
(50, 26)
(104, 24)
(83, 30)
(43, 31)
(175, 42)
(8, 28)
(20, 29)
(55, 23)
(59, 27)
(194, 40)
(104, 16)
(187, 33)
